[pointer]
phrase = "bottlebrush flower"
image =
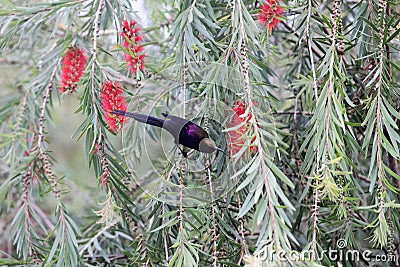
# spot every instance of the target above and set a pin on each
(112, 97)
(270, 14)
(74, 64)
(131, 40)
(235, 137)
(104, 177)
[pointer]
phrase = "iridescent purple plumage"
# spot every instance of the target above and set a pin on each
(185, 132)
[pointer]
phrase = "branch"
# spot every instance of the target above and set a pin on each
(120, 76)
(42, 214)
(213, 212)
(314, 50)
(96, 26)
(314, 216)
(26, 185)
(99, 233)
(304, 113)
(42, 154)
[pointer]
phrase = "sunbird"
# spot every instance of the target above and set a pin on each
(185, 132)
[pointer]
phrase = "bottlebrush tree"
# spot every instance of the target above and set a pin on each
(303, 97)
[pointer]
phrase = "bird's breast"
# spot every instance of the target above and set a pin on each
(191, 135)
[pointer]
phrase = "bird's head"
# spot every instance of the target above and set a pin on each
(208, 146)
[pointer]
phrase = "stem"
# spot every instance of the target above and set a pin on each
(42, 154)
(99, 233)
(26, 185)
(246, 84)
(315, 213)
(96, 27)
(310, 48)
(213, 212)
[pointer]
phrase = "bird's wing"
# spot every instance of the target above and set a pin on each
(180, 128)
(195, 131)
(188, 125)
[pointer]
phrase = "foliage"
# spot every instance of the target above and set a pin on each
(318, 128)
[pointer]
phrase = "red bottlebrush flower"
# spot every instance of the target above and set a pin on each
(270, 14)
(112, 97)
(235, 137)
(74, 64)
(134, 55)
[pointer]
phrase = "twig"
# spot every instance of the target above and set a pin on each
(242, 233)
(51, 7)
(181, 208)
(120, 76)
(244, 68)
(213, 212)
(110, 257)
(161, 25)
(42, 154)
(96, 26)
(165, 234)
(99, 233)
(363, 177)
(317, 52)
(114, 12)
(26, 185)
(304, 113)
(42, 215)
(314, 216)
(42, 118)
(8, 61)
(311, 49)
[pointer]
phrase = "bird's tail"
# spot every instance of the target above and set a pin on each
(140, 117)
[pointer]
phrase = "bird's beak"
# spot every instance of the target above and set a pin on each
(220, 149)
